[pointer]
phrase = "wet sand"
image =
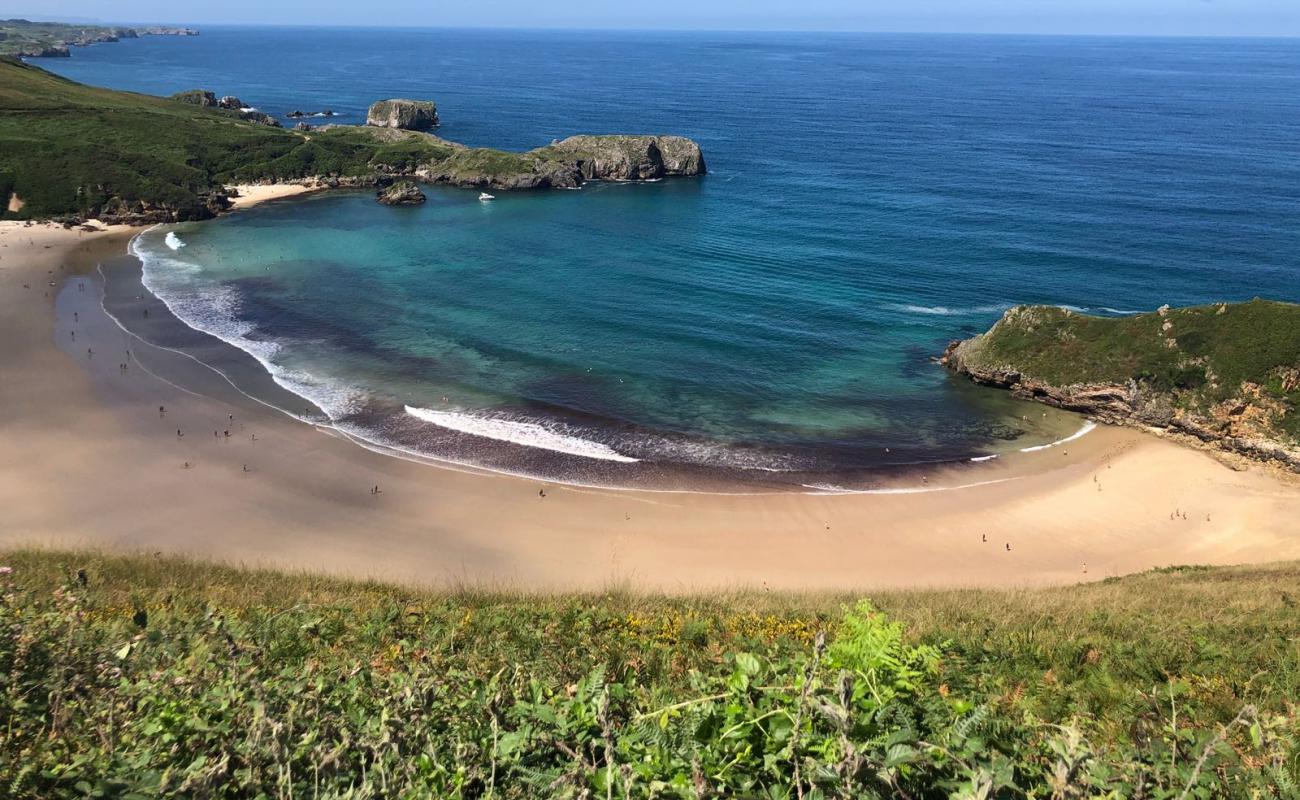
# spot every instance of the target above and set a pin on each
(86, 459)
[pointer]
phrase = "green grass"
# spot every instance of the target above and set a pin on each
(70, 150)
(1219, 352)
(162, 677)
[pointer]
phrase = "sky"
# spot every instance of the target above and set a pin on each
(1120, 17)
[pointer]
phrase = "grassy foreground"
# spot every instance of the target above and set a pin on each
(148, 677)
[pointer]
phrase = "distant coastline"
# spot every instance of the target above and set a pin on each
(23, 38)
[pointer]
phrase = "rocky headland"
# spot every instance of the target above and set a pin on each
(26, 39)
(1225, 375)
(151, 159)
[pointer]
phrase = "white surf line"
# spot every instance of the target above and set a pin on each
(518, 433)
(198, 361)
(829, 492)
(424, 459)
(1088, 427)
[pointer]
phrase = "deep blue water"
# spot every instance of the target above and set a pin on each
(870, 197)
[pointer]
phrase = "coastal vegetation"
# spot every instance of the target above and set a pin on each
(70, 151)
(145, 676)
(1226, 373)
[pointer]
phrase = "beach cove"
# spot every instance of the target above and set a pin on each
(89, 460)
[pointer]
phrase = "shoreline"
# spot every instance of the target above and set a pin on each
(250, 195)
(460, 442)
(90, 461)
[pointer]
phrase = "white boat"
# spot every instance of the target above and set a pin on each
(484, 197)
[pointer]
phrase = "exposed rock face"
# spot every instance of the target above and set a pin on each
(410, 115)
(197, 97)
(138, 212)
(1242, 425)
(206, 99)
(631, 158)
(402, 193)
(261, 118)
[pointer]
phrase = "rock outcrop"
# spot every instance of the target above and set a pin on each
(401, 193)
(206, 99)
(630, 158)
(197, 97)
(1246, 417)
(409, 115)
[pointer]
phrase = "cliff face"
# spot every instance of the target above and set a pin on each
(629, 158)
(408, 115)
(1227, 375)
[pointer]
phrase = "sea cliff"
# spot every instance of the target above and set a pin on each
(1225, 375)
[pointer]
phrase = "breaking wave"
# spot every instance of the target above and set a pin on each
(556, 437)
(1087, 428)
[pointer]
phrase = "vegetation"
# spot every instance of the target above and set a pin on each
(70, 149)
(148, 677)
(73, 151)
(1239, 363)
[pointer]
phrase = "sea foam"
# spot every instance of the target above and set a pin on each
(1085, 430)
(173, 241)
(214, 310)
(555, 437)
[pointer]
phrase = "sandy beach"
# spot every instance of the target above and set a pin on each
(248, 195)
(88, 459)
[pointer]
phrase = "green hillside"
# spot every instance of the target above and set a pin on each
(75, 150)
(1227, 370)
(154, 677)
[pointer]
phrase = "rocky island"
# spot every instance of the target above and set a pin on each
(410, 115)
(73, 152)
(1225, 375)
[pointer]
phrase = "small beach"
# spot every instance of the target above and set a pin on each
(90, 460)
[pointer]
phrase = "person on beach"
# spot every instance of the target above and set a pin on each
(541, 492)
(90, 352)
(162, 411)
(178, 433)
(1008, 547)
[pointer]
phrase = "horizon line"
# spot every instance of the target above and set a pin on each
(702, 30)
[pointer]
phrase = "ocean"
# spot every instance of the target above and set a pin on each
(869, 198)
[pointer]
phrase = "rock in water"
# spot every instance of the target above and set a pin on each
(631, 158)
(402, 193)
(231, 102)
(410, 115)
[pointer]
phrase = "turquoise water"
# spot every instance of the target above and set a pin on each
(869, 199)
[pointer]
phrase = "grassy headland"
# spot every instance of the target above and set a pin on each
(141, 676)
(1227, 373)
(73, 151)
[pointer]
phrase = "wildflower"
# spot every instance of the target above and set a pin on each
(6, 570)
